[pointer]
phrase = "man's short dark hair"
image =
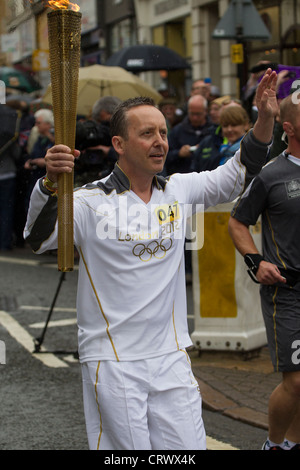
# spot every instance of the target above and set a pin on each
(118, 123)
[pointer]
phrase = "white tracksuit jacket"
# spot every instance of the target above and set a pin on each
(131, 298)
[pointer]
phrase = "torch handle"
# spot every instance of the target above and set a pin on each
(64, 51)
(65, 254)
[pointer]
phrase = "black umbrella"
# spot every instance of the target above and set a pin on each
(141, 58)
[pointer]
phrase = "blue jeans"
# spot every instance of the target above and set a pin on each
(7, 204)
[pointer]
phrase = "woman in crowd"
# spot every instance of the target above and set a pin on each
(234, 122)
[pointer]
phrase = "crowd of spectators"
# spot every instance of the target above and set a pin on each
(203, 133)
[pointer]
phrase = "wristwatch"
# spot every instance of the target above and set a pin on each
(252, 260)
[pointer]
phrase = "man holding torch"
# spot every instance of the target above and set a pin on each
(138, 386)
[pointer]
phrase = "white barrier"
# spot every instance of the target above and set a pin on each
(227, 311)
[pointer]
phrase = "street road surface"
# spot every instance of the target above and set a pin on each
(40, 393)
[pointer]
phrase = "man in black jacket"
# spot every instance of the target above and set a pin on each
(184, 138)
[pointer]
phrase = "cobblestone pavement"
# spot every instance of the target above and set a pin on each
(236, 387)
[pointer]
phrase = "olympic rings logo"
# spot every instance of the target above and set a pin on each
(154, 248)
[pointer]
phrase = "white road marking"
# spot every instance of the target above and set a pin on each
(50, 360)
(70, 358)
(52, 323)
(213, 444)
(39, 308)
(27, 341)
(21, 335)
(28, 262)
(71, 321)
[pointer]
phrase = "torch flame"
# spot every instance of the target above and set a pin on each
(62, 5)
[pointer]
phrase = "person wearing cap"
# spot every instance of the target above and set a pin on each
(200, 87)
(172, 113)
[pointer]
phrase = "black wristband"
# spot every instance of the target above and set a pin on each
(252, 260)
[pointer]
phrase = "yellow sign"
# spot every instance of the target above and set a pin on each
(167, 213)
(40, 60)
(217, 296)
(237, 53)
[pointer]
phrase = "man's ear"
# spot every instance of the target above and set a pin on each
(288, 128)
(117, 143)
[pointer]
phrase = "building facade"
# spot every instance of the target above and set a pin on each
(213, 57)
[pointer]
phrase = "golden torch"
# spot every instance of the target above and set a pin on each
(64, 27)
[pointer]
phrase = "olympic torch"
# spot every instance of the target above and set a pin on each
(64, 26)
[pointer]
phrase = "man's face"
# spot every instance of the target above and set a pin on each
(200, 88)
(43, 126)
(144, 151)
(197, 113)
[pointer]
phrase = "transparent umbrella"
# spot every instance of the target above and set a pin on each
(100, 80)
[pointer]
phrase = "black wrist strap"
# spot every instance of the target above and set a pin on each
(252, 260)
